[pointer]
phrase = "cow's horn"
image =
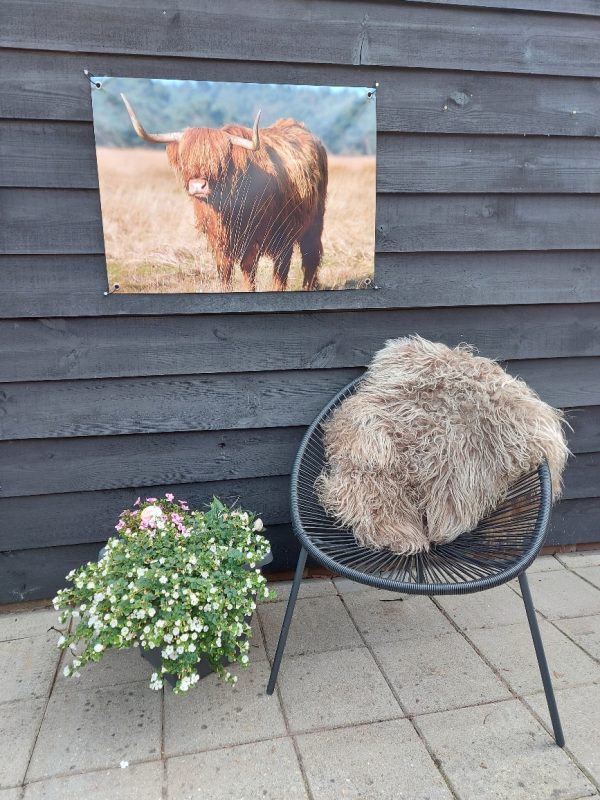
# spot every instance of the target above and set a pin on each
(161, 138)
(253, 144)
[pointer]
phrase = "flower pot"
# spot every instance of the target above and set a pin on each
(203, 666)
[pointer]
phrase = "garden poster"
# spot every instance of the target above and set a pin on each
(210, 186)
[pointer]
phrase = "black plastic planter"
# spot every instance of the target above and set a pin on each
(203, 667)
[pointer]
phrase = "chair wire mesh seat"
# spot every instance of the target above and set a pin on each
(500, 548)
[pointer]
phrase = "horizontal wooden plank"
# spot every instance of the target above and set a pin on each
(113, 406)
(51, 86)
(586, 7)
(38, 573)
(63, 155)
(85, 464)
(164, 404)
(585, 434)
(83, 516)
(73, 286)
(76, 517)
(375, 33)
(410, 223)
(129, 346)
(50, 221)
(64, 221)
(502, 164)
(582, 476)
(81, 465)
(574, 522)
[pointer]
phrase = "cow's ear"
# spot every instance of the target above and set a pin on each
(173, 154)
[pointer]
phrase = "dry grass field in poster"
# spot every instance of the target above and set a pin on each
(153, 241)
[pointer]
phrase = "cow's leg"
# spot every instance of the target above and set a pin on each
(311, 249)
(225, 271)
(281, 268)
(249, 264)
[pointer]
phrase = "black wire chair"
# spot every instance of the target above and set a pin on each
(500, 548)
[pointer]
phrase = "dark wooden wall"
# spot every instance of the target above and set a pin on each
(488, 231)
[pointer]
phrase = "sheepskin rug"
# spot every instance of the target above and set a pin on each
(429, 444)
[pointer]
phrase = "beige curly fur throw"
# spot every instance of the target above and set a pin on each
(429, 444)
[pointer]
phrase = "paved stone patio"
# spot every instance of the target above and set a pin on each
(379, 696)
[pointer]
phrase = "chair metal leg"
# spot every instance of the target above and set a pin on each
(541, 657)
(286, 621)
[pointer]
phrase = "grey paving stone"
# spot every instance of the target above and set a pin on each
(20, 624)
(386, 616)
(137, 782)
(97, 729)
(319, 624)
(487, 609)
(337, 688)
(591, 574)
(215, 713)
(19, 724)
(580, 558)
(260, 771)
(585, 631)
(563, 594)
(544, 564)
(27, 667)
(500, 752)
(310, 587)
(580, 715)
(435, 673)
(114, 668)
(382, 761)
(10, 794)
(510, 650)
(345, 586)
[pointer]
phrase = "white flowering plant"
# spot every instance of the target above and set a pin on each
(179, 580)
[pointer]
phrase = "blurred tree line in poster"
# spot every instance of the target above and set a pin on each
(342, 117)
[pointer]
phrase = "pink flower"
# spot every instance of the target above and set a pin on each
(151, 499)
(152, 515)
(120, 525)
(170, 497)
(184, 505)
(138, 501)
(176, 517)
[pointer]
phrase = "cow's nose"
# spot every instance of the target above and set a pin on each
(198, 186)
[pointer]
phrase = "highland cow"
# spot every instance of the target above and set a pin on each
(254, 194)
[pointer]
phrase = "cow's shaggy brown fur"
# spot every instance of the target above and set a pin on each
(429, 444)
(262, 201)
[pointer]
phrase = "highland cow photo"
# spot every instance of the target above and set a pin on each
(212, 186)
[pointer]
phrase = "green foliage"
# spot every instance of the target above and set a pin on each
(182, 581)
(342, 117)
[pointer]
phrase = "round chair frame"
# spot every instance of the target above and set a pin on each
(500, 548)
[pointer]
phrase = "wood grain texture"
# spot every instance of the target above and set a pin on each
(51, 86)
(237, 401)
(585, 7)
(55, 349)
(574, 522)
(327, 32)
(73, 286)
(410, 223)
(89, 464)
(54, 466)
(67, 221)
(76, 517)
(62, 155)
(234, 401)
